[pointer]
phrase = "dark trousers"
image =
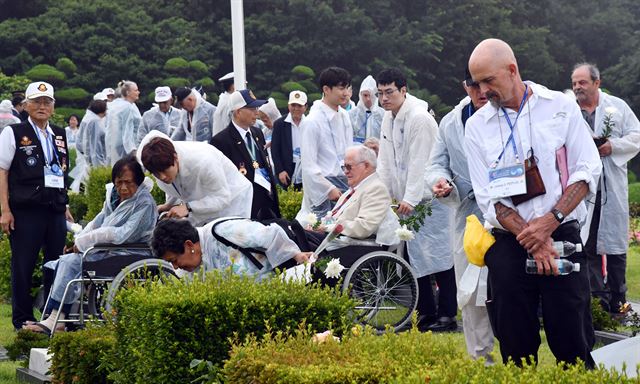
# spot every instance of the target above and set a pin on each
(447, 305)
(611, 293)
(515, 296)
(36, 228)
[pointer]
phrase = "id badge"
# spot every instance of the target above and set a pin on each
(507, 181)
(53, 179)
(260, 178)
(358, 140)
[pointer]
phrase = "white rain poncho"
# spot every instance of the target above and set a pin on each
(405, 146)
(91, 139)
(132, 221)
(367, 124)
(201, 122)
(207, 180)
(156, 120)
(246, 233)
(6, 117)
(121, 127)
(449, 161)
(625, 143)
(222, 115)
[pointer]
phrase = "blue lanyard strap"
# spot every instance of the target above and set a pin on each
(511, 139)
(47, 147)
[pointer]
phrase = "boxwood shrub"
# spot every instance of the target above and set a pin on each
(161, 328)
(409, 357)
(290, 202)
(94, 190)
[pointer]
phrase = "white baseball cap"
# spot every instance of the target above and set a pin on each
(100, 96)
(244, 98)
(163, 94)
(108, 91)
(226, 77)
(298, 97)
(39, 89)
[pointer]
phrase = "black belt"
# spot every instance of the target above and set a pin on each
(564, 228)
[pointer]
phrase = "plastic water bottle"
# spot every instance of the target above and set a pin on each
(565, 248)
(565, 267)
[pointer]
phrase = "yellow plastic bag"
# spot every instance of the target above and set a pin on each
(477, 241)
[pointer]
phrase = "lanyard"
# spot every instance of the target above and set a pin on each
(47, 147)
(250, 146)
(511, 127)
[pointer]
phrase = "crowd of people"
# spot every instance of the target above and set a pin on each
(535, 165)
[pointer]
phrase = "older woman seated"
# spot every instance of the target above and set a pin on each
(245, 246)
(128, 216)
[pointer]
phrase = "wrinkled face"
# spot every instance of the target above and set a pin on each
(391, 98)
(165, 105)
(338, 95)
(265, 119)
(297, 110)
(478, 98)
(498, 83)
(73, 122)
(133, 94)
(40, 109)
(583, 86)
(168, 175)
(367, 99)
(245, 117)
(354, 169)
(189, 103)
(188, 260)
(125, 184)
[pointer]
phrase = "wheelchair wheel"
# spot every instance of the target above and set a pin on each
(138, 271)
(96, 295)
(384, 287)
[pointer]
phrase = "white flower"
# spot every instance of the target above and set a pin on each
(311, 219)
(404, 233)
(323, 337)
(611, 110)
(74, 228)
(333, 269)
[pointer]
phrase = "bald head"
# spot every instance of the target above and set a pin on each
(494, 67)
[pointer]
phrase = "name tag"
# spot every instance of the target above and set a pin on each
(53, 178)
(260, 177)
(507, 181)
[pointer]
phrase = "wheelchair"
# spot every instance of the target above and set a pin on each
(379, 279)
(101, 279)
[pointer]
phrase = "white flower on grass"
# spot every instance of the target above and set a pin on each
(333, 269)
(610, 110)
(405, 233)
(323, 337)
(311, 219)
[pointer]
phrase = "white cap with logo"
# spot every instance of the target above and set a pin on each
(39, 89)
(100, 96)
(163, 94)
(108, 91)
(297, 97)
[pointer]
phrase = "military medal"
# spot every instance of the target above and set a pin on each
(242, 169)
(255, 165)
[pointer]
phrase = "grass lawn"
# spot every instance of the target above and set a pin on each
(7, 368)
(633, 274)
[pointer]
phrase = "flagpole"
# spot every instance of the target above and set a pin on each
(237, 33)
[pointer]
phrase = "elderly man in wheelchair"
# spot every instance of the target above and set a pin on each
(128, 216)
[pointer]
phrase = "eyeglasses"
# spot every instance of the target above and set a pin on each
(348, 167)
(42, 101)
(387, 92)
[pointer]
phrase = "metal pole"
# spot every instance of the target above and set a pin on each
(237, 33)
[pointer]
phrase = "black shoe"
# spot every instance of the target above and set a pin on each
(424, 322)
(444, 324)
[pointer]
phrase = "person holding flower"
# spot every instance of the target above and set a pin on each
(616, 131)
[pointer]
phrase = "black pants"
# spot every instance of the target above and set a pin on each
(447, 305)
(515, 295)
(36, 228)
(612, 293)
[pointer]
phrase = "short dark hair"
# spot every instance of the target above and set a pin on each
(17, 99)
(128, 162)
(170, 236)
(73, 115)
(182, 93)
(226, 84)
(391, 76)
(98, 106)
(334, 77)
(158, 155)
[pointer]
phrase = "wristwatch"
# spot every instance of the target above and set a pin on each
(558, 215)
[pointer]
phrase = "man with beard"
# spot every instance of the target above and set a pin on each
(512, 148)
(617, 133)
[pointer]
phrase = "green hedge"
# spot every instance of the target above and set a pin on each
(72, 95)
(176, 65)
(291, 86)
(83, 356)
(44, 72)
(5, 268)
(303, 72)
(409, 357)
(290, 202)
(198, 68)
(94, 190)
(67, 66)
(161, 328)
(634, 193)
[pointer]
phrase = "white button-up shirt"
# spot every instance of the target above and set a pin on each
(547, 122)
(295, 136)
(326, 134)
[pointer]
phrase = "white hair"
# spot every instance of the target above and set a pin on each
(124, 87)
(365, 154)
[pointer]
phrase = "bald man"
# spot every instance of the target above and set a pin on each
(519, 132)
